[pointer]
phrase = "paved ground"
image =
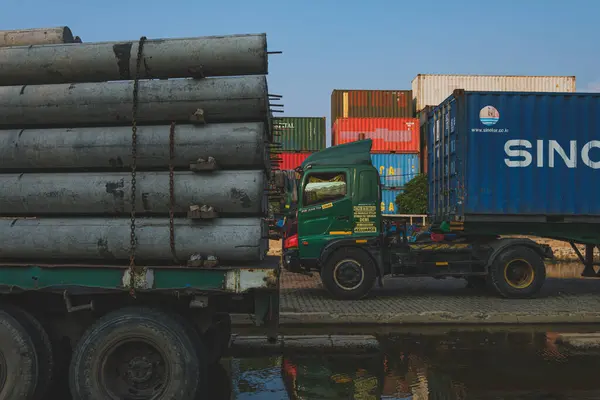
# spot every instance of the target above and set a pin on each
(426, 300)
(566, 298)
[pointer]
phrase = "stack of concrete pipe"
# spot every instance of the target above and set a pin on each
(66, 151)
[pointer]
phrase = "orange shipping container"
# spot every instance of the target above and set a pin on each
(389, 135)
(371, 104)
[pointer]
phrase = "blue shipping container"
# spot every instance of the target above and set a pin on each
(500, 156)
(388, 201)
(395, 169)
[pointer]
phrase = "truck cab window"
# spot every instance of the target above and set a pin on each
(323, 187)
(368, 191)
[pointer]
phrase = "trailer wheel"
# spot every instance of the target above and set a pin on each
(43, 348)
(135, 352)
(349, 274)
(220, 337)
(18, 359)
(517, 272)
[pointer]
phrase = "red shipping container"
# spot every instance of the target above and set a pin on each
(389, 135)
(292, 160)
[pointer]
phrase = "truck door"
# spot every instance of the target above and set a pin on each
(325, 210)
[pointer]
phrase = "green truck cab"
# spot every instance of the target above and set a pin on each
(339, 231)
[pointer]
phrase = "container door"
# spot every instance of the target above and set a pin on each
(325, 211)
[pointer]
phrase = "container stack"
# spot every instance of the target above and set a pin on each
(296, 138)
(430, 90)
(387, 118)
(299, 137)
(107, 159)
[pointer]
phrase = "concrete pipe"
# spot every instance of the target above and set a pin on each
(232, 55)
(235, 145)
(238, 99)
(107, 239)
(105, 193)
(30, 37)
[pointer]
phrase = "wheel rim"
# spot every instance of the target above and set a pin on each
(134, 369)
(3, 370)
(348, 274)
(519, 274)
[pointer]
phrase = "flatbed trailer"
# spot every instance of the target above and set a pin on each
(133, 199)
(58, 310)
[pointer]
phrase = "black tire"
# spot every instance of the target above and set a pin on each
(225, 324)
(18, 360)
(43, 348)
(218, 337)
(349, 274)
(200, 345)
(517, 273)
(145, 338)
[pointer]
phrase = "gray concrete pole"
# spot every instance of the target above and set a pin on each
(237, 99)
(34, 36)
(162, 58)
(235, 145)
(107, 239)
(106, 193)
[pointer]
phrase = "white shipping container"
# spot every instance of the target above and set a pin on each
(433, 89)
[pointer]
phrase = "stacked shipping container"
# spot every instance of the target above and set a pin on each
(299, 138)
(386, 117)
(430, 90)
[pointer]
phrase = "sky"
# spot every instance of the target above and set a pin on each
(375, 44)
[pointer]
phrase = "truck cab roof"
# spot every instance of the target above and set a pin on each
(345, 154)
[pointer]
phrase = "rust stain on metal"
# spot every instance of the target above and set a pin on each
(116, 162)
(142, 279)
(104, 249)
(241, 280)
(145, 202)
(123, 54)
(242, 196)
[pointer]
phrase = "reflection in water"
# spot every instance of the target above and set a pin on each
(454, 366)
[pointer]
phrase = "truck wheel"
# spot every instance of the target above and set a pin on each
(224, 321)
(18, 360)
(518, 272)
(137, 353)
(217, 338)
(43, 349)
(349, 274)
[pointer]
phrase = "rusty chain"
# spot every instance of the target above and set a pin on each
(172, 191)
(133, 237)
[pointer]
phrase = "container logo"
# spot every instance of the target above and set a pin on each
(489, 115)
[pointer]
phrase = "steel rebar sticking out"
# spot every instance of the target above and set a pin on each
(31, 37)
(106, 193)
(162, 58)
(107, 239)
(236, 99)
(234, 145)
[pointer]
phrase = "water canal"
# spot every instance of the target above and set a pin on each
(423, 365)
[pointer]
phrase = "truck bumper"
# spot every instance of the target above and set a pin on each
(291, 261)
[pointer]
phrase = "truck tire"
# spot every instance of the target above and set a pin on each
(135, 352)
(218, 337)
(517, 272)
(43, 349)
(202, 348)
(18, 360)
(349, 274)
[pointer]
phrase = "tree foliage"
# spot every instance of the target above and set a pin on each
(414, 198)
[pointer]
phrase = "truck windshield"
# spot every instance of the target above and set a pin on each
(324, 187)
